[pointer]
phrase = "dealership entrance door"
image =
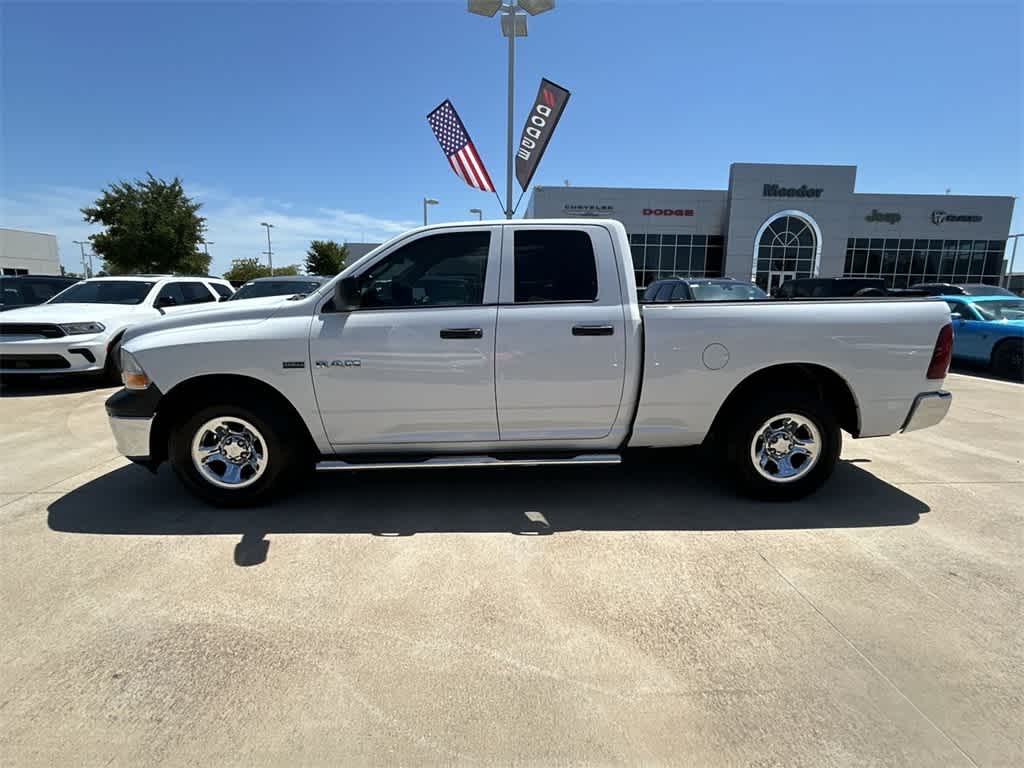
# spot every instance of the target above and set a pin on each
(786, 247)
(775, 279)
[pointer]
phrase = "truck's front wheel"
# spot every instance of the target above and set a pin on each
(783, 447)
(231, 455)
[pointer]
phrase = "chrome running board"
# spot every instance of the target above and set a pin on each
(445, 462)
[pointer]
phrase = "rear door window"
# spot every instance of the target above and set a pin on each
(679, 292)
(554, 265)
(665, 293)
(196, 293)
(222, 290)
(173, 292)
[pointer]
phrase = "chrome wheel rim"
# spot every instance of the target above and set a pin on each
(785, 448)
(229, 452)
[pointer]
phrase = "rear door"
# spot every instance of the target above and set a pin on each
(561, 342)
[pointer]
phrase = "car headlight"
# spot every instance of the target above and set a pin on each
(132, 374)
(72, 329)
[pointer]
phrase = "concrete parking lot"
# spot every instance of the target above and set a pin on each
(641, 615)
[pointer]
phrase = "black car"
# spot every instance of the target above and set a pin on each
(677, 289)
(283, 285)
(841, 288)
(28, 290)
(962, 289)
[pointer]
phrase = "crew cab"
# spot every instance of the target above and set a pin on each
(78, 330)
(518, 343)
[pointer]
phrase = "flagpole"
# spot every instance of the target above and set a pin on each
(511, 91)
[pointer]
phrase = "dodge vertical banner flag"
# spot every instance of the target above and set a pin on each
(540, 124)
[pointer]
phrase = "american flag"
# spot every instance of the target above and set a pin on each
(458, 148)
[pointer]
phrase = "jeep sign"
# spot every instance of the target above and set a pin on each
(888, 218)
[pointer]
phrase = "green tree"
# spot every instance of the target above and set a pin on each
(246, 269)
(325, 257)
(150, 225)
(250, 269)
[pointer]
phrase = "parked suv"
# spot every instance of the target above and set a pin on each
(79, 329)
(29, 290)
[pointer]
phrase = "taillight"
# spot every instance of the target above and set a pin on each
(943, 353)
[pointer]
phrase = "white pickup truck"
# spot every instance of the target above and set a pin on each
(519, 343)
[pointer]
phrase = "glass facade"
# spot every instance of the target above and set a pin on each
(786, 250)
(658, 256)
(902, 262)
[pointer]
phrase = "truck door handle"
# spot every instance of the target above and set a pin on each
(462, 333)
(593, 330)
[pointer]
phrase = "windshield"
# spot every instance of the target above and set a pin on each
(986, 290)
(104, 292)
(726, 291)
(257, 290)
(1000, 309)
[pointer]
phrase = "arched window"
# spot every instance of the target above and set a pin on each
(786, 249)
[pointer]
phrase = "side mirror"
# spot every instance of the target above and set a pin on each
(346, 294)
(166, 301)
(956, 316)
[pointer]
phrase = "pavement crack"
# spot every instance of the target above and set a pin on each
(853, 646)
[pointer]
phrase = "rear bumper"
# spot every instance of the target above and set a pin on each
(929, 409)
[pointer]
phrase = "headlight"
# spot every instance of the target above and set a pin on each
(132, 374)
(72, 329)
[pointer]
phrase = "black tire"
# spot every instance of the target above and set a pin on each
(112, 366)
(1008, 359)
(283, 459)
(748, 422)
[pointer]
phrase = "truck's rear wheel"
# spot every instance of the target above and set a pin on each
(784, 446)
(232, 455)
(1008, 360)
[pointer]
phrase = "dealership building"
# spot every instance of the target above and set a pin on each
(776, 222)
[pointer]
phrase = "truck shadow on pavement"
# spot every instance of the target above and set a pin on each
(674, 491)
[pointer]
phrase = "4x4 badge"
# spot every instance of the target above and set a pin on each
(338, 363)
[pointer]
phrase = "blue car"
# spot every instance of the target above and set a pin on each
(989, 330)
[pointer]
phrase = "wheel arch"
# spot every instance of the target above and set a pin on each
(202, 390)
(826, 383)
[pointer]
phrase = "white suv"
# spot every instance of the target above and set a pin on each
(79, 329)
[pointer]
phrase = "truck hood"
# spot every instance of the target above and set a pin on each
(248, 311)
(72, 313)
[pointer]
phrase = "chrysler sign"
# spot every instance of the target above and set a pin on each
(939, 217)
(587, 209)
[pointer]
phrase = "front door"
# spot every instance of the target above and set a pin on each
(561, 348)
(415, 362)
(775, 279)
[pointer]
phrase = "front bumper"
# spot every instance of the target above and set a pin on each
(131, 413)
(67, 354)
(929, 409)
(131, 435)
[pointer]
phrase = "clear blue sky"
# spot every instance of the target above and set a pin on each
(313, 115)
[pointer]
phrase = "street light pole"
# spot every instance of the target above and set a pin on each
(270, 251)
(81, 247)
(1013, 256)
(511, 28)
(427, 201)
(206, 246)
(478, 212)
(511, 92)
